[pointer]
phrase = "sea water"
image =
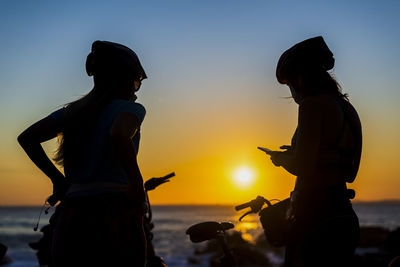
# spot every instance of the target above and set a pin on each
(171, 222)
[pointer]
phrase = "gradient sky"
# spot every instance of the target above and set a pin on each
(211, 96)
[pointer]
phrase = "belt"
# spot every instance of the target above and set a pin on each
(101, 186)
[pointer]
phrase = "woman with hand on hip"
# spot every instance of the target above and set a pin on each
(324, 155)
(100, 219)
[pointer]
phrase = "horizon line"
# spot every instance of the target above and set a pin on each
(382, 201)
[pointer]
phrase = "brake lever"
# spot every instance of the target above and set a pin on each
(244, 215)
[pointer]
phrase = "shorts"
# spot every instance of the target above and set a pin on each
(100, 230)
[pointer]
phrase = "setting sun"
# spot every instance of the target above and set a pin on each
(244, 176)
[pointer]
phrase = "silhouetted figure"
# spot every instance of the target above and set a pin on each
(324, 155)
(99, 221)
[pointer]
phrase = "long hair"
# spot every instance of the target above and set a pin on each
(316, 82)
(113, 67)
(80, 117)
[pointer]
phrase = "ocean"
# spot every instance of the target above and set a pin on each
(171, 222)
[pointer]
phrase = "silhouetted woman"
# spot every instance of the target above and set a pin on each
(100, 219)
(324, 155)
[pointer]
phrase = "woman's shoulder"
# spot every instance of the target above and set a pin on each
(58, 115)
(131, 107)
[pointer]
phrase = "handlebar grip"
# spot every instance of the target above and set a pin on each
(243, 206)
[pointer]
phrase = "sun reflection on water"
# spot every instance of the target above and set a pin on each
(248, 229)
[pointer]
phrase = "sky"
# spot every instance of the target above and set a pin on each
(211, 95)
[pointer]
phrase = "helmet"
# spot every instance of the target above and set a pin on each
(113, 58)
(309, 55)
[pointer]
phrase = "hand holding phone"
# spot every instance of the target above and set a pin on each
(266, 150)
(152, 183)
(286, 147)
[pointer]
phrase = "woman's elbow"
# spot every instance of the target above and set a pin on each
(23, 138)
(27, 138)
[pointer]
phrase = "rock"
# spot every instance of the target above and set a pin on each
(245, 253)
(4, 259)
(372, 236)
(3, 251)
(392, 242)
(43, 246)
(395, 262)
(262, 242)
(194, 260)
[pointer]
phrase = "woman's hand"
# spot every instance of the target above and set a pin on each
(276, 158)
(60, 188)
(59, 183)
(286, 147)
(284, 159)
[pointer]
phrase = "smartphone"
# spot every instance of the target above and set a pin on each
(266, 150)
(172, 174)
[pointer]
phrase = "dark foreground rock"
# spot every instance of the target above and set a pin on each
(378, 247)
(245, 254)
(4, 259)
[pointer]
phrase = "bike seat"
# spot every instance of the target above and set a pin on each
(207, 230)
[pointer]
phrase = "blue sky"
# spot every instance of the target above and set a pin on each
(205, 59)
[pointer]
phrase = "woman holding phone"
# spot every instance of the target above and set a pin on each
(324, 155)
(100, 219)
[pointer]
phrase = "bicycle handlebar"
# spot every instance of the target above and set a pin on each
(255, 205)
(243, 206)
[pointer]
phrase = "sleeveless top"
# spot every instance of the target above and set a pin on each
(333, 158)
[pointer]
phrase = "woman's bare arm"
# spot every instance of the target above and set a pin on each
(303, 160)
(31, 139)
(122, 131)
(309, 137)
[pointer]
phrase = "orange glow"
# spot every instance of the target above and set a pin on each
(204, 148)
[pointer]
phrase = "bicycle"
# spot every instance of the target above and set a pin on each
(212, 230)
